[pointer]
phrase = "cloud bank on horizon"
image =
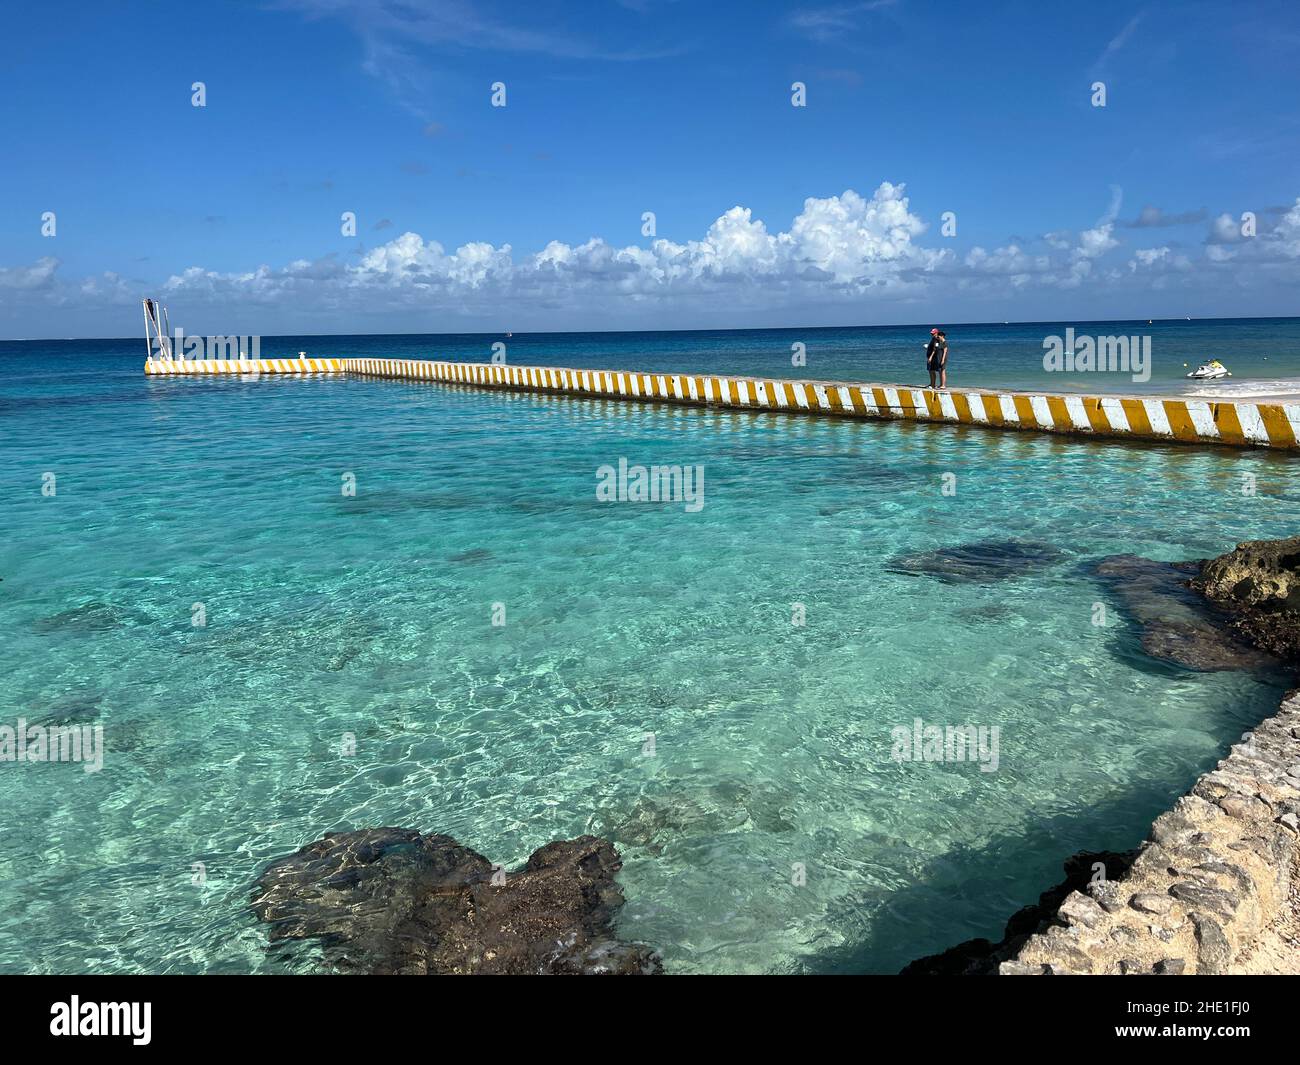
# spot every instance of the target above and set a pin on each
(849, 250)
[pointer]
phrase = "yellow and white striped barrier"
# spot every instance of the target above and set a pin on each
(1176, 419)
(168, 367)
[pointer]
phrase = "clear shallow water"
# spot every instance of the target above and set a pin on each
(371, 616)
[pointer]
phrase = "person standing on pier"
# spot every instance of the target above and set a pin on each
(936, 358)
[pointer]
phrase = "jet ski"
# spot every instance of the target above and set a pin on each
(1210, 371)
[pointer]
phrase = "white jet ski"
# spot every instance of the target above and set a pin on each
(1210, 371)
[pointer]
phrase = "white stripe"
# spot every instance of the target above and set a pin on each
(1042, 411)
(1159, 420)
(1114, 411)
(1009, 412)
(690, 387)
(742, 391)
(1252, 425)
(1292, 412)
(1074, 405)
(1203, 419)
(948, 407)
(891, 398)
(977, 411)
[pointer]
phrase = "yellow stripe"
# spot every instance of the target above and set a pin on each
(1180, 421)
(1138, 420)
(962, 403)
(1025, 410)
(1096, 416)
(993, 409)
(1060, 413)
(1225, 417)
(1280, 433)
(932, 405)
(882, 402)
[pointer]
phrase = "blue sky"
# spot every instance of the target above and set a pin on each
(479, 218)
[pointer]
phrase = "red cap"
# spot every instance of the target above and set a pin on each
(934, 332)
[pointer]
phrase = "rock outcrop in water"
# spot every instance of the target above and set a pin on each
(1258, 586)
(390, 900)
(1176, 624)
(983, 562)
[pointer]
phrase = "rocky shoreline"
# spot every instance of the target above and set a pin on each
(1218, 871)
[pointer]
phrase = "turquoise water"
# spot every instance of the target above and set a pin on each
(371, 615)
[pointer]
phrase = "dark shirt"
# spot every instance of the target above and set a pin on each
(937, 350)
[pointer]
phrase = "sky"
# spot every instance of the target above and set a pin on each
(649, 168)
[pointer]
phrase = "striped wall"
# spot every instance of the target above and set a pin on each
(241, 366)
(1182, 420)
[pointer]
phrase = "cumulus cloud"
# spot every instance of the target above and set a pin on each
(39, 275)
(847, 243)
(1287, 233)
(848, 250)
(1095, 242)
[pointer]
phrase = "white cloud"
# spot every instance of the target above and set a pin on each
(1287, 233)
(848, 251)
(1148, 257)
(39, 275)
(847, 242)
(1096, 241)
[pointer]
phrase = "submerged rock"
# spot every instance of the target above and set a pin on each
(390, 900)
(1258, 585)
(1176, 624)
(90, 617)
(474, 554)
(682, 813)
(986, 561)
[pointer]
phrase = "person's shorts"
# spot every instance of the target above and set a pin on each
(934, 365)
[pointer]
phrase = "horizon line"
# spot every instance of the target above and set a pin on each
(727, 329)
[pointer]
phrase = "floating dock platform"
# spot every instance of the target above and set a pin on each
(1170, 419)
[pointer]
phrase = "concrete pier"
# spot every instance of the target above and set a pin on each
(1171, 419)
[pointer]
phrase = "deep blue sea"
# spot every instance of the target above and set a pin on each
(349, 673)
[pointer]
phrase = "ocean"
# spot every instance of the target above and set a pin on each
(304, 605)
